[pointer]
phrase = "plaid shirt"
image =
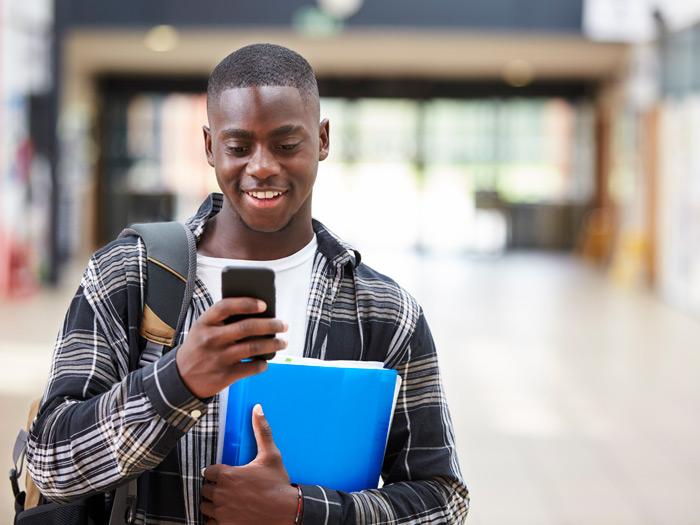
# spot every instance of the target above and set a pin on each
(99, 424)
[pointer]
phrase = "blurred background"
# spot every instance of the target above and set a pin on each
(527, 169)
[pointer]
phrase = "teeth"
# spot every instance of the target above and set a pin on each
(264, 194)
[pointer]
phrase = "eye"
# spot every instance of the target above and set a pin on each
(236, 150)
(289, 147)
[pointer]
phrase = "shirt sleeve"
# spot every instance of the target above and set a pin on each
(100, 424)
(421, 474)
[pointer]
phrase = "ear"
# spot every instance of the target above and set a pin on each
(208, 146)
(324, 139)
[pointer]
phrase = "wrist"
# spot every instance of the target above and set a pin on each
(299, 504)
(184, 371)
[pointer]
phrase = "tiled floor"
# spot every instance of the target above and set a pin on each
(573, 401)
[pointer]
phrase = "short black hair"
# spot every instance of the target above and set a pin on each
(263, 65)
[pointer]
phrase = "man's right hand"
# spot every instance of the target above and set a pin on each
(209, 359)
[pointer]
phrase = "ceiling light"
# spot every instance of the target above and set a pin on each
(518, 73)
(340, 9)
(161, 39)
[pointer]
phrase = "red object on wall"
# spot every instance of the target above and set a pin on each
(16, 277)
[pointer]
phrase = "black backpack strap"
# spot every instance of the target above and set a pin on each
(124, 506)
(18, 452)
(171, 267)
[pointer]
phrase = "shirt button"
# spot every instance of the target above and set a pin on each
(196, 414)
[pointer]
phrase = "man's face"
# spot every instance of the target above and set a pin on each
(264, 144)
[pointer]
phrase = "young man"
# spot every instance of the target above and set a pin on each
(100, 425)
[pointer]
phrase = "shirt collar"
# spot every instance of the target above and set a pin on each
(338, 252)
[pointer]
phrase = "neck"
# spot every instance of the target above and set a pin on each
(227, 236)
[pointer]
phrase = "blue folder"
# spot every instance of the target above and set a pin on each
(330, 424)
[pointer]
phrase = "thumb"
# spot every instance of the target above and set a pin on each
(267, 450)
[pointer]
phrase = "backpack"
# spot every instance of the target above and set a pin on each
(170, 266)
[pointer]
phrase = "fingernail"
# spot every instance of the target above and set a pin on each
(285, 326)
(258, 410)
(261, 306)
(205, 468)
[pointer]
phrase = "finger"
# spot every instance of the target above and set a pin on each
(251, 327)
(220, 336)
(208, 490)
(213, 472)
(207, 508)
(242, 370)
(229, 306)
(243, 350)
(223, 335)
(267, 450)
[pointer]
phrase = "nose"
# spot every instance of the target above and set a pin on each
(262, 164)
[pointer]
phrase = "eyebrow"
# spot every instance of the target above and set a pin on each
(237, 133)
(287, 129)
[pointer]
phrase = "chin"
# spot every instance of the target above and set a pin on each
(266, 226)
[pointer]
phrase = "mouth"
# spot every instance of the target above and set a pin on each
(265, 199)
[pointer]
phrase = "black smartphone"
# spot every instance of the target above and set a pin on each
(250, 282)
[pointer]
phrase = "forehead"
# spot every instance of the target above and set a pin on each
(259, 107)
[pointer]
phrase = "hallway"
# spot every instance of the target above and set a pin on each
(573, 401)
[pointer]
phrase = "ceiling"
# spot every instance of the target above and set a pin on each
(360, 52)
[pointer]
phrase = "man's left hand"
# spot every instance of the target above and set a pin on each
(259, 492)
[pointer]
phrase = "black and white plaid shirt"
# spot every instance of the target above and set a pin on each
(100, 424)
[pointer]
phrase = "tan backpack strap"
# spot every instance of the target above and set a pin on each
(33, 411)
(32, 493)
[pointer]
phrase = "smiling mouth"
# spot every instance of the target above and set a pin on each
(265, 195)
(264, 200)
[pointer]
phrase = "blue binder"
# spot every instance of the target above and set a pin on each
(330, 423)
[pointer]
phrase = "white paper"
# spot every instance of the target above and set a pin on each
(310, 361)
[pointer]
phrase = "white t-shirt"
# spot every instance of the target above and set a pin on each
(292, 285)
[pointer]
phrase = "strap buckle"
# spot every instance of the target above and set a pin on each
(18, 452)
(130, 514)
(14, 481)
